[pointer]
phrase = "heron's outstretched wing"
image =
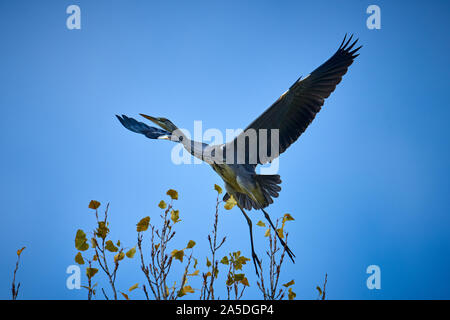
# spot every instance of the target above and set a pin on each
(296, 108)
(140, 127)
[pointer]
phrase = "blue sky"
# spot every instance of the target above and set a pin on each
(367, 183)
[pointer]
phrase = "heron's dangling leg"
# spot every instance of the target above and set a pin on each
(289, 252)
(256, 261)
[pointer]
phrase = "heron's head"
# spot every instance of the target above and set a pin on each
(175, 133)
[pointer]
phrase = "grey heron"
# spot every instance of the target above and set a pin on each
(236, 161)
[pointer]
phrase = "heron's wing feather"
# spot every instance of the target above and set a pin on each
(140, 127)
(296, 108)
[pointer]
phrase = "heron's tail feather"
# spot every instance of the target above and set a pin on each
(270, 187)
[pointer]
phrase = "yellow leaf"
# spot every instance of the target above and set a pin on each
(195, 273)
(162, 204)
(95, 258)
(280, 233)
(190, 244)
(175, 216)
(119, 257)
(173, 194)
(102, 230)
(134, 287)
(94, 204)
(267, 233)
(125, 296)
(208, 263)
(287, 217)
(230, 203)
(79, 258)
(245, 282)
(19, 252)
(143, 224)
(188, 289)
(218, 189)
(290, 283)
(90, 272)
(110, 246)
(224, 260)
(261, 224)
(131, 252)
(178, 254)
(292, 294)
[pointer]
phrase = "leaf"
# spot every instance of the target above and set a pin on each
(230, 203)
(188, 289)
(239, 277)
(261, 224)
(90, 272)
(178, 254)
(94, 204)
(102, 230)
(208, 263)
(195, 263)
(173, 194)
(195, 273)
(143, 224)
(190, 244)
(292, 294)
(319, 289)
(125, 295)
(19, 252)
(79, 258)
(280, 233)
(130, 253)
(267, 233)
(287, 217)
(134, 287)
(162, 204)
(93, 242)
(224, 260)
(81, 241)
(175, 216)
(95, 257)
(119, 257)
(218, 189)
(290, 283)
(110, 246)
(245, 282)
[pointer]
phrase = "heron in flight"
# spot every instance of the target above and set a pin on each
(236, 161)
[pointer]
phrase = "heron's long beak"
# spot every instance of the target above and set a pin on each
(154, 120)
(164, 137)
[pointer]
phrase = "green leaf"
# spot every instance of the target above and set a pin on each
(94, 204)
(162, 204)
(178, 254)
(290, 283)
(90, 272)
(81, 241)
(102, 230)
(79, 258)
(130, 253)
(261, 224)
(173, 194)
(143, 224)
(225, 260)
(190, 244)
(109, 245)
(239, 277)
(134, 287)
(218, 189)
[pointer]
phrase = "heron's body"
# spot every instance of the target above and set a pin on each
(284, 122)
